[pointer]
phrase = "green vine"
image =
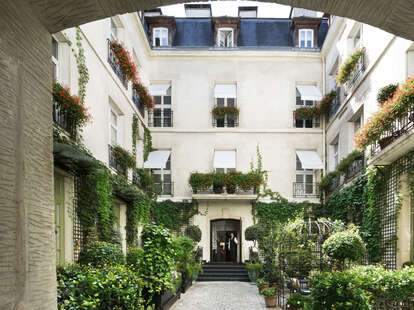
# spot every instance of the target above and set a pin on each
(81, 65)
(172, 215)
(135, 132)
(147, 143)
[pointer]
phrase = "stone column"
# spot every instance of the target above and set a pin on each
(27, 242)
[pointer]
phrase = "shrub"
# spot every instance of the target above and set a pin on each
(261, 282)
(193, 232)
(254, 271)
(106, 288)
(327, 180)
(385, 93)
(183, 253)
(200, 181)
(232, 179)
(269, 292)
(101, 253)
(346, 162)
(219, 179)
(134, 255)
(297, 300)
(252, 233)
(344, 245)
(124, 158)
(145, 181)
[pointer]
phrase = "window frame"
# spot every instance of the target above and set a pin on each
(113, 126)
(225, 104)
(161, 31)
(162, 107)
(306, 31)
(304, 103)
(55, 59)
(162, 173)
(219, 32)
(304, 173)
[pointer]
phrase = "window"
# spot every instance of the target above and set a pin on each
(226, 121)
(225, 96)
(55, 59)
(114, 30)
(336, 154)
(60, 218)
(304, 180)
(113, 128)
(357, 38)
(162, 112)
(160, 37)
(304, 122)
(305, 38)
(162, 179)
(225, 37)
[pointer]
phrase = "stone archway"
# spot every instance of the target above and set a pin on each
(27, 257)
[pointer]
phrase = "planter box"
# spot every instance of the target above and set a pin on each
(186, 283)
(166, 300)
(271, 302)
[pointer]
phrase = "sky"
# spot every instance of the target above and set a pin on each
(230, 8)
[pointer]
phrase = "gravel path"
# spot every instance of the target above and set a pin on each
(221, 296)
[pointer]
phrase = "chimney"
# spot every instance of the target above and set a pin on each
(197, 10)
(248, 11)
(297, 12)
(153, 12)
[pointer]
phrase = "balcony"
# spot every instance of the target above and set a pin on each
(223, 123)
(164, 189)
(160, 118)
(113, 62)
(137, 102)
(112, 162)
(62, 119)
(336, 104)
(354, 169)
(229, 118)
(336, 183)
(305, 190)
(221, 194)
(306, 123)
(395, 142)
(355, 76)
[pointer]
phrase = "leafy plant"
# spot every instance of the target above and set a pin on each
(81, 65)
(219, 179)
(193, 232)
(106, 288)
(253, 271)
(145, 181)
(101, 253)
(297, 300)
(327, 180)
(200, 181)
(344, 245)
(147, 141)
(125, 62)
(144, 95)
(124, 158)
(349, 66)
(232, 180)
(184, 256)
(253, 233)
(269, 292)
(134, 255)
(172, 215)
(261, 282)
(221, 112)
(322, 108)
(346, 162)
(385, 93)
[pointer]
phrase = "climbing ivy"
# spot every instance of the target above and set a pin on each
(147, 143)
(137, 212)
(172, 215)
(81, 65)
(135, 132)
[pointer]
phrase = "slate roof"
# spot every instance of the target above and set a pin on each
(254, 33)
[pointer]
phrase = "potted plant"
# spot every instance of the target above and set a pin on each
(232, 180)
(253, 270)
(232, 113)
(219, 182)
(261, 285)
(256, 179)
(270, 297)
(296, 301)
(219, 112)
(195, 181)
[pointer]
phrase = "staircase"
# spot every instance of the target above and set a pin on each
(224, 272)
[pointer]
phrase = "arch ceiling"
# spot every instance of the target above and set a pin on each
(395, 16)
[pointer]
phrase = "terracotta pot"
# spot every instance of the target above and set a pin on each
(271, 301)
(262, 288)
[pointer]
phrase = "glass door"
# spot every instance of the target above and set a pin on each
(221, 231)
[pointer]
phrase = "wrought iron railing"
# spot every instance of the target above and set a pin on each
(160, 118)
(223, 190)
(356, 167)
(112, 161)
(336, 183)
(304, 190)
(222, 122)
(316, 122)
(355, 75)
(164, 189)
(113, 62)
(62, 119)
(398, 129)
(137, 102)
(336, 103)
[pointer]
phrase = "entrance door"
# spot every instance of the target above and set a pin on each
(219, 239)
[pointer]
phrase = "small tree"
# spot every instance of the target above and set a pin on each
(193, 232)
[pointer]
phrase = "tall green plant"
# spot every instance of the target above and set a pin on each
(81, 65)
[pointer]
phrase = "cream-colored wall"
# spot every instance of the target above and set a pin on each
(404, 223)
(213, 210)
(122, 225)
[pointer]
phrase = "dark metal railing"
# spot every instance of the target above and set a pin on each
(112, 161)
(316, 122)
(137, 102)
(301, 190)
(336, 183)
(223, 190)
(336, 103)
(162, 119)
(62, 119)
(398, 129)
(113, 61)
(356, 167)
(355, 75)
(164, 189)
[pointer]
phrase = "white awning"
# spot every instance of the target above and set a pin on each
(157, 160)
(159, 89)
(309, 92)
(309, 160)
(225, 159)
(225, 91)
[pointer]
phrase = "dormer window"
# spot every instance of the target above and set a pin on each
(160, 37)
(225, 37)
(306, 38)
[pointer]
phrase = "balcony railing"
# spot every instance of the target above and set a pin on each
(160, 118)
(336, 104)
(356, 167)
(222, 123)
(113, 61)
(164, 189)
(316, 122)
(137, 102)
(399, 128)
(305, 190)
(355, 75)
(218, 191)
(336, 183)
(112, 162)
(62, 119)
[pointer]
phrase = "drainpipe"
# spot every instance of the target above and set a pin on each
(324, 119)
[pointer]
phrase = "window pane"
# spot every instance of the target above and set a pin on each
(114, 119)
(231, 102)
(309, 102)
(220, 122)
(231, 123)
(299, 123)
(309, 123)
(309, 178)
(299, 178)
(299, 101)
(157, 178)
(54, 71)
(167, 178)
(157, 99)
(113, 136)
(167, 100)
(157, 42)
(220, 102)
